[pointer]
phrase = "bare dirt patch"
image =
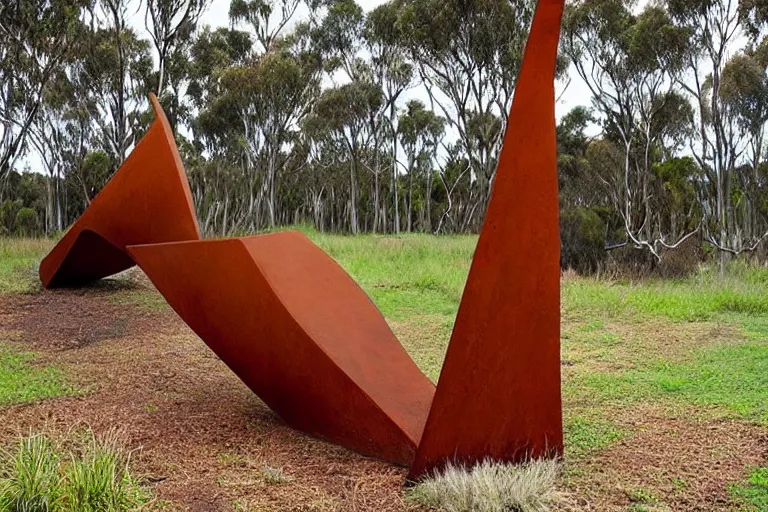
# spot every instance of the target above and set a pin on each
(617, 346)
(426, 340)
(64, 319)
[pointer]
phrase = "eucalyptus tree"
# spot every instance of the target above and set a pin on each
(117, 67)
(213, 52)
(456, 180)
(420, 132)
(744, 95)
(578, 184)
(341, 117)
(170, 24)
(346, 39)
(253, 88)
(656, 53)
(336, 28)
(675, 196)
(754, 17)
(51, 138)
(35, 37)
(468, 55)
(389, 68)
(744, 92)
(631, 64)
(324, 182)
(271, 97)
(216, 127)
(361, 48)
(595, 37)
(715, 27)
(267, 19)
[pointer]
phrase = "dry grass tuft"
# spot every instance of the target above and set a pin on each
(25, 247)
(275, 476)
(491, 487)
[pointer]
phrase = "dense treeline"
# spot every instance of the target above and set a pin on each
(391, 120)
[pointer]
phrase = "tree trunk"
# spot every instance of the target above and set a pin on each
(375, 200)
(428, 226)
(410, 198)
(352, 197)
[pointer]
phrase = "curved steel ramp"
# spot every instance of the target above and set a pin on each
(292, 324)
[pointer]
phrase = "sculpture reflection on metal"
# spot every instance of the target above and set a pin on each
(306, 339)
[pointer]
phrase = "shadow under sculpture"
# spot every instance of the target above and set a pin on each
(300, 333)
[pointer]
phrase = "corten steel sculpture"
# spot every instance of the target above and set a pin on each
(498, 396)
(305, 338)
(301, 334)
(147, 201)
(276, 309)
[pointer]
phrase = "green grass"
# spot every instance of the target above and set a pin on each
(422, 275)
(408, 275)
(416, 274)
(22, 381)
(753, 495)
(702, 297)
(29, 477)
(585, 435)
(642, 500)
(732, 377)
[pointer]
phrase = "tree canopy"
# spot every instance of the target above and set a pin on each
(392, 119)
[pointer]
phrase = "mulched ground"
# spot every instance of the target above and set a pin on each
(669, 461)
(64, 319)
(205, 439)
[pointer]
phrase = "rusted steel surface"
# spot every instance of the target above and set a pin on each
(147, 201)
(292, 324)
(498, 396)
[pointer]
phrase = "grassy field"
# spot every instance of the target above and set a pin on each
(645, 363)
(18, 259)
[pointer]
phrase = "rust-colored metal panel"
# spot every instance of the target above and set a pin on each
(498, 396)
(147, 201)
(305, 338)
(294, 326)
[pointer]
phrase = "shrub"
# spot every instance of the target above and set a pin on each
(8, 211)
(582, 238)
(683, 261)
(27, 223)
(490, 487)
(100, 480)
